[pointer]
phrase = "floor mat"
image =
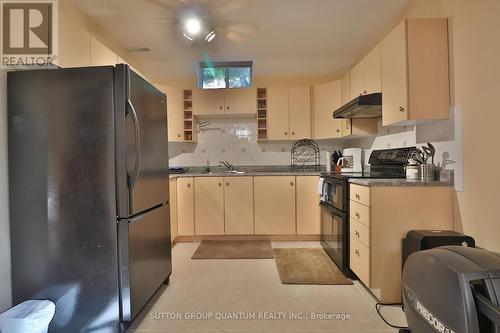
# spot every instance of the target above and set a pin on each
(254, 249)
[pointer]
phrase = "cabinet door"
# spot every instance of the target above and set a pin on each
(238, 205)
(345, 88)
(300, 112)
(308, 209)
(173, 209)
(185, 206)
(357, 80)
(208, 101)
(372, 72)
(175, 117)
(274, 205)
(209, 206)
(100, 55)
(278, 123)
(394, 68)
(327, 98)
(74, 45)
(240, 101)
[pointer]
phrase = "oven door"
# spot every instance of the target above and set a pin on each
(334, 193)
(334, 235)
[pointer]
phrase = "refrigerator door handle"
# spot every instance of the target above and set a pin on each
(132, 178)
(137, 218)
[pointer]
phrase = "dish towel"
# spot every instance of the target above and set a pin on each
(321, 183)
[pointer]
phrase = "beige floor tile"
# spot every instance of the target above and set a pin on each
(248, 288)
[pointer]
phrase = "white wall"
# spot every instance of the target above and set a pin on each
(234, 140)
(5, 282)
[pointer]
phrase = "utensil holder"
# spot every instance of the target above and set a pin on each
(427, 172)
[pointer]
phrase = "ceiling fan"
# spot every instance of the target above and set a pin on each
(200, 21)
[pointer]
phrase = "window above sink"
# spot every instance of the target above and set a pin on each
(228, 74)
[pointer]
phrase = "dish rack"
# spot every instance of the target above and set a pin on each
(305, 155)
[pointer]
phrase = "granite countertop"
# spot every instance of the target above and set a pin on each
(398, 182)
(248, 171)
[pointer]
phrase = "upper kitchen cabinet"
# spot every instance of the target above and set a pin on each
(74, 46)
(224, 101)
(174, 113)
(365, 77)
(327, 98)
(100, 55)
(278, 121)
(288, 113)
(415, 72)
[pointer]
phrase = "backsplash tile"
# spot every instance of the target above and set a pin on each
(235, 140)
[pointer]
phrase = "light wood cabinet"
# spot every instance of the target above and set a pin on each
(274, 205)
(208, 101)
(100, 55)
(224, 101)
(240, 101)
(185, 206)
(278, 121)
(175, 117)
(74, 45)
(327, 98)
(415, 72)
(173, 209)
(380, 218)
(308, 209)
(365, 76)
(209, 205)
(238, 205)
(299, 104)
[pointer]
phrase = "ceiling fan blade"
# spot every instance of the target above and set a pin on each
(230, 6)
(241, 28)
(234, 37)
(166, 4)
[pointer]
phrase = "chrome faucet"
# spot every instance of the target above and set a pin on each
(229, 166)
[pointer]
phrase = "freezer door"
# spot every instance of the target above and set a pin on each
(145, 258)
(142, 158)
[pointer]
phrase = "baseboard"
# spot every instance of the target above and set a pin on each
(273, 238)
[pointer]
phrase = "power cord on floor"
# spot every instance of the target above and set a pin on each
(379, 305)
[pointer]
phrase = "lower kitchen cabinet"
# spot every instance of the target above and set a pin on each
(308, 210)
(173, 209)
(185, 206)
(274, 205)
(209, 205)
(380, 219)
(238, 205)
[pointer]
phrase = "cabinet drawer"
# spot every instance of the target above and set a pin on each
(360, 261)
(360, 213)
(360, 232)
(360, 194)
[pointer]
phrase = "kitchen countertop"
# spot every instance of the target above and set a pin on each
(397, 182)
(248, 171)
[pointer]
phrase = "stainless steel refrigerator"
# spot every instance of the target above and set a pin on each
(88, 178)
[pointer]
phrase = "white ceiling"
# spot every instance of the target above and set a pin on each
(282, 37)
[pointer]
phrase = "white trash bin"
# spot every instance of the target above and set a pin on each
(28, 317)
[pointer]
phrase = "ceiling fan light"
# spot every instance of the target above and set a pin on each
(193, 26)
(210, 36)
(187, 36)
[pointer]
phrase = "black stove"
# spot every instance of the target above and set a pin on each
(385, 164)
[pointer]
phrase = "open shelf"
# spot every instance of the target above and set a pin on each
(187, 107)
(261, 114)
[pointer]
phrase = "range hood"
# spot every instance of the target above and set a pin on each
(364, 106)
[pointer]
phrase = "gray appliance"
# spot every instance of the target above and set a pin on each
(88, 168)
(363, 106)
(452, 289)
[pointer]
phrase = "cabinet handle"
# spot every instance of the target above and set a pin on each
(227, 107)
(188, 185)
(227, 183)
(220, 107)
(365, 91)
(357, 196)
(178, 135)
(356, 214)
(402, 109)
(356, 233)
(293, 133)
(286, 133)
(357, 252)
(338, 131)
(291, 183)
(220, 184)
